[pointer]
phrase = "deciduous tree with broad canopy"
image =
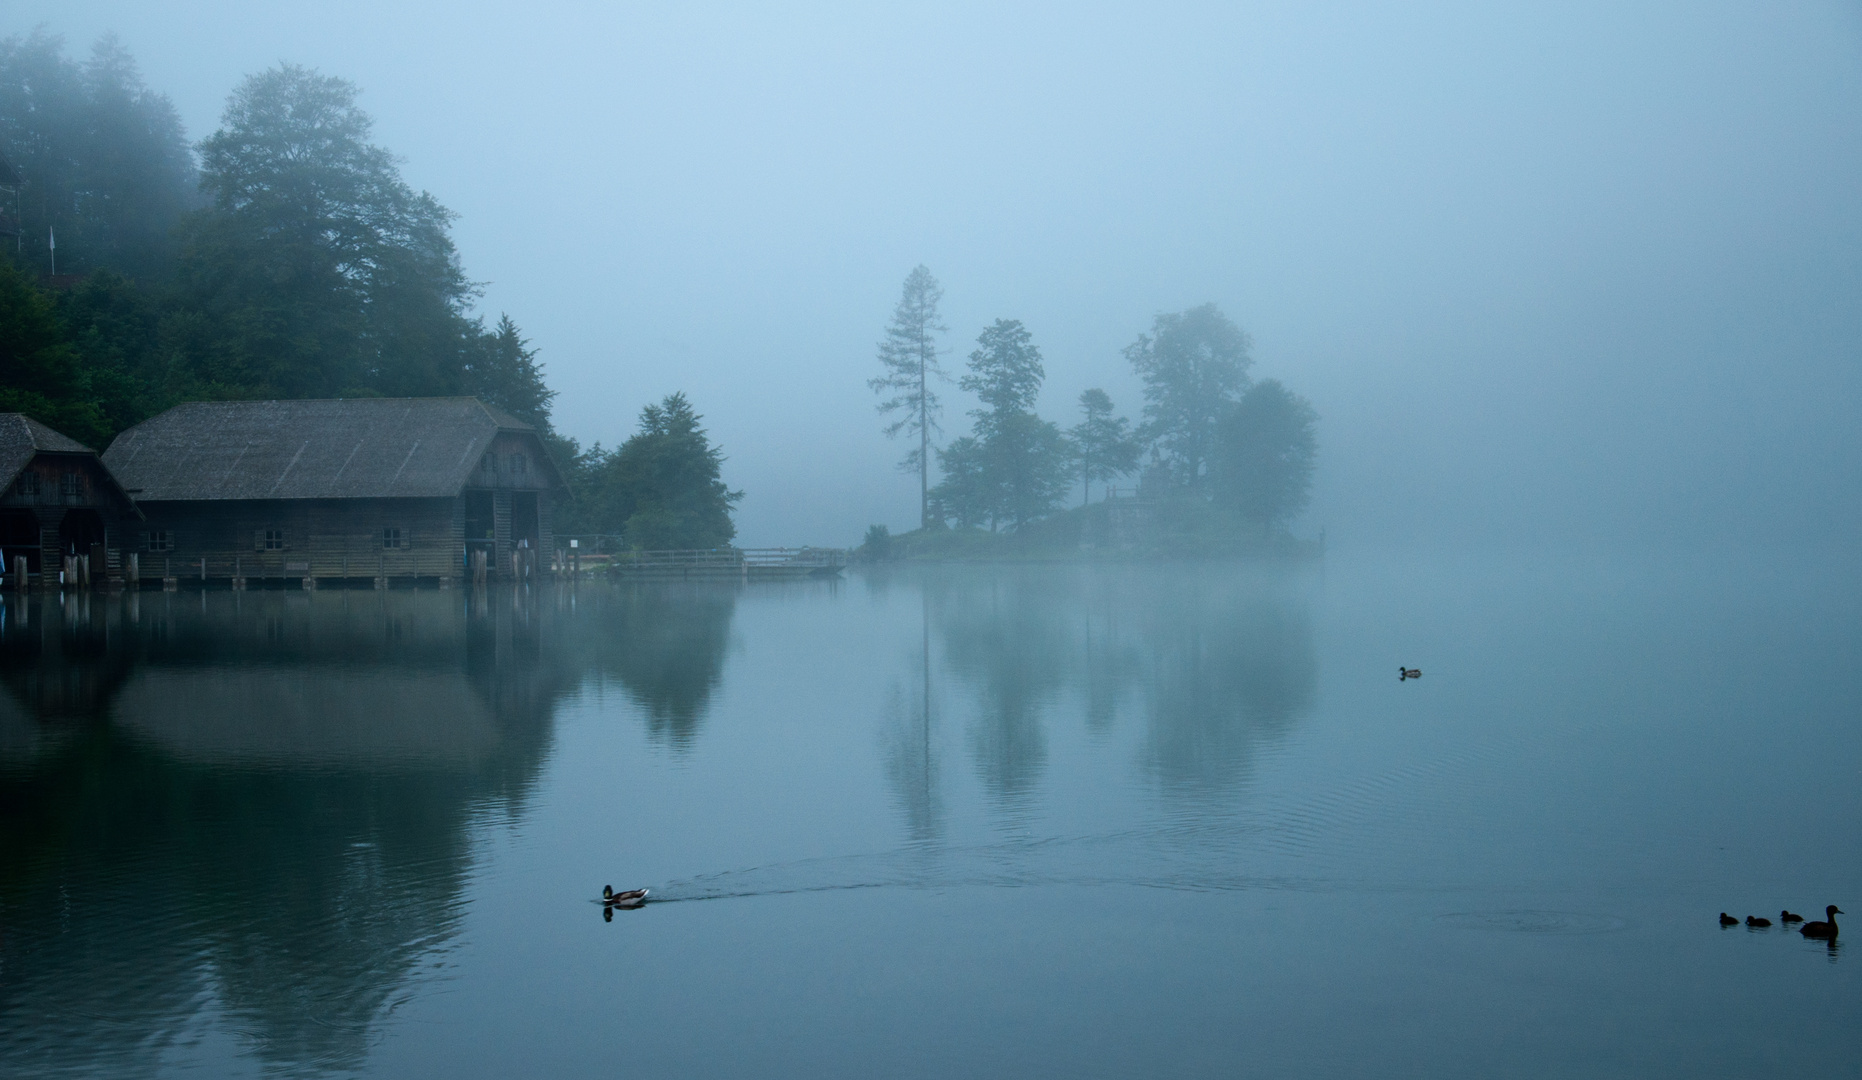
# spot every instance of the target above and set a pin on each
(1194, 365)
(1266, 446)
(319, 271)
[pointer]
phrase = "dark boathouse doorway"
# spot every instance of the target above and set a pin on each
(79, 530)
(524, 531)
(19, 535)
(481, 528)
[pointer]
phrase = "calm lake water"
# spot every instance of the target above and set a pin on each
(966, 821)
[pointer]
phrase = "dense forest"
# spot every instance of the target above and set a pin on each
(283, 256)
(1230, 458)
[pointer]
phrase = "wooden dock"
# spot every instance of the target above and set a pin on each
(759, 564)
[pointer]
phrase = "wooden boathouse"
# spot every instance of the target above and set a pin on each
(62, 513)
(354, 491)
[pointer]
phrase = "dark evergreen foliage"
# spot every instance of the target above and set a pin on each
(40, 374)
(301, 265)
(501, 368)
(663, 488)
(116, 330)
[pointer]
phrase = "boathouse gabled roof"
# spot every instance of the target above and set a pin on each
(21, 437)
(344, 448)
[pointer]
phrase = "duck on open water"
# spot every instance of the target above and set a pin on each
(1823, 929)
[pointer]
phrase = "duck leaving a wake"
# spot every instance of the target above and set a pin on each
(626, 901)
(1408, 673)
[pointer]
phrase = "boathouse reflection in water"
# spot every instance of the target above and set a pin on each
(259, 803)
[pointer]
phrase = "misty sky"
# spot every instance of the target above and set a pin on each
(1585, 273)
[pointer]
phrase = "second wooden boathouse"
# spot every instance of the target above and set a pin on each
(60, 509)
(349, 491)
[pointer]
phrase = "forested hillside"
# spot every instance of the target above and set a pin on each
(283, 256)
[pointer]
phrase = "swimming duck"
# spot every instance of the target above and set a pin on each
(1787, 918)
(1408, 673)
(628, 900)
(1754, 920)
(1823, 929)
(1728, 920)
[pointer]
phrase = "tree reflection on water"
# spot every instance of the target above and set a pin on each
(1227, 666)
(256, 800)
(253, 813)
(1215, 664)
(666, 643)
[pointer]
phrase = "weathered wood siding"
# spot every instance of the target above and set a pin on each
(53, 485)
(322, 538)
(345, 538)
(512, 466)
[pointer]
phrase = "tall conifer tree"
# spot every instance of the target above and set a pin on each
(909, 356)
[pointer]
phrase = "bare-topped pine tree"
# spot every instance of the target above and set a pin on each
(909, 355)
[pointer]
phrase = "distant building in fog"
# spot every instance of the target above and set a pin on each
(361, 488)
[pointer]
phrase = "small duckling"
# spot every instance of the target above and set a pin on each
(1787, 918)
(1408, 673)
(1754, 920)
(1728, 920)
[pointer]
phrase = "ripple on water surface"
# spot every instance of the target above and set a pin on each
(1535, 922)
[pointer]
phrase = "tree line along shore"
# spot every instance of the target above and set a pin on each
(1221, 462)
(283, 256)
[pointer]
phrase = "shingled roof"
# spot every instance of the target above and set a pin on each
(21, 437)
(350, 448)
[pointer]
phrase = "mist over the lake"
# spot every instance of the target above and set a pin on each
(486, 590)
(1551, 274)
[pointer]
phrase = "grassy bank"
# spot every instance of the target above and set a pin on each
(1120, 532)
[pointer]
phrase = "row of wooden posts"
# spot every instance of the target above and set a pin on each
(87, 571)
(77, 572)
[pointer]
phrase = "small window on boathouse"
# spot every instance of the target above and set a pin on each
(391, 537)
